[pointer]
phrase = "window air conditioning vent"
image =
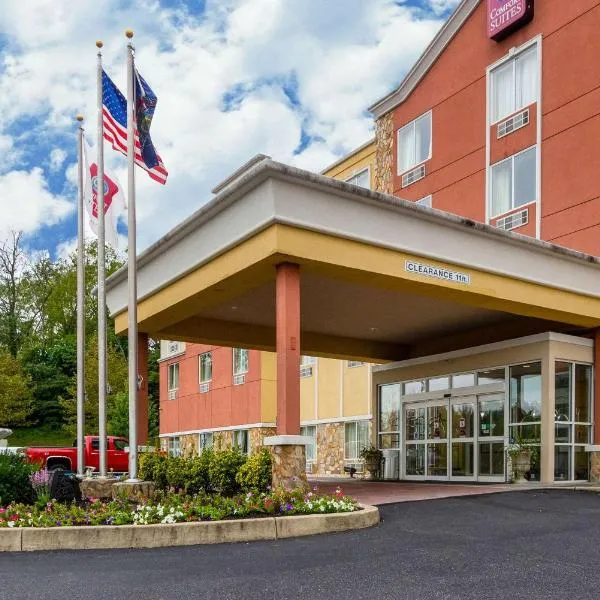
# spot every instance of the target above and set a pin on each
(239, 379)
(515, 122)
(173, 347)
(205, 387)
(306, 371)
(412, 176)
(172, 394)
(513, 221)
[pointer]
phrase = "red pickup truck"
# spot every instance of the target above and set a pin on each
(117, 458)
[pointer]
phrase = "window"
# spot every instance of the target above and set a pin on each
(514, 182)
(438, 383)
(307, 360)
(205, 442)
(240, 440)
(414, 143)
(425, 201)
(491, 376)
(355, 363)
(205, 367)
(173, 377)
(121, 445)
(514, 84)
(356, 438)
(174, 446)
(414, 387)
(362, 178)
(389, 416)
(525, 397)
(572, 420)
(306, 365)
(240, 361)
(463, 380)
(311, 449)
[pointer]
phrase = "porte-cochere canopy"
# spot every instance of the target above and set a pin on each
(381, 278)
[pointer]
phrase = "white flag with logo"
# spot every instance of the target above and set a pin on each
(114, 202)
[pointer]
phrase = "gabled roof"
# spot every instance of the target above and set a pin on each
(425, 62)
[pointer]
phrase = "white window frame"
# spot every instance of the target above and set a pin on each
(356, 440)
(360, 172)
(235, 442)
(202, 441)
(304, 430)
(426, 201)
(209, 354)
(512, 57)
(170, 377)
(240, 372)
(512, 157)
(412, 124)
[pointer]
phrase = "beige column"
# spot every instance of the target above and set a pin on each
(547, 434)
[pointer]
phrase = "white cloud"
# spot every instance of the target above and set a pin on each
(57, 158)
(26, 203)
(309, 66)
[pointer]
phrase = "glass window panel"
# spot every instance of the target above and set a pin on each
(491, 458)
(240, 440)
(562, 391)
(356, 438)
(562, 433)
(582, 464)
(415, 459)
(462, 420)
(389, 407)
(526, 434)
(173, 376)
(311, 449)
(389, 440)
(437, 417)
(362, 179)
(583, 393)
(463, 380)
(415, 423)
(308, 360)
(438, 383)
(526, 77)
(491, 417)
(206, 441)
(525, 172)
(423, 138)
(363, 435)
(406, 146)
(437, 460)
(502, 187)
(526, 392)
(503, 95)
(240, 361)
(582, 434)
(414, 387)
(491, 376)
(206, 367)
(562, 463)
(462, 459)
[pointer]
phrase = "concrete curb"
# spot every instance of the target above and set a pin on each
(182, 534)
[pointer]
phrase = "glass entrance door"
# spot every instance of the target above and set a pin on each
(491, 437)
(463, 438)
(437, 440)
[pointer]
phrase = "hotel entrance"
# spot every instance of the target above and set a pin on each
(459, 439)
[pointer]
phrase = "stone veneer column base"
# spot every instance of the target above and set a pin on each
(289, 461)
(134, 491)
(594, 463)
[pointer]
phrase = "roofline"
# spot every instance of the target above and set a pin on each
(443, 37)
(347, 156)
(268, 168)
(247, 165)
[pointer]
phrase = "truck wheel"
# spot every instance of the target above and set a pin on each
(55, 466)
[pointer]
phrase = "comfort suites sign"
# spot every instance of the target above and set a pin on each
(506, 16)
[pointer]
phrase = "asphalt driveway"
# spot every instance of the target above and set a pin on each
(542, 544)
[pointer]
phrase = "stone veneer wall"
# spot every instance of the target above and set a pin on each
(330, 449)
(188, 444)
(384, 158)
(256, 436)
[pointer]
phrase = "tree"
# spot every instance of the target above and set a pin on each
(15, 393)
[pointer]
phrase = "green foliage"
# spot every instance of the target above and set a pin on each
(15, 485)
(153, 467)
(118, 415)
(40, 436)
(15, 393)
(255, 474)
(223, 470)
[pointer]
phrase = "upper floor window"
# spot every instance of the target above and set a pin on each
(514, 182)
(362, 178)
(240, 361)
(414, 143)
(205, 367)
(514, 84)
(307, 360)
(426, 201)
(173, 376)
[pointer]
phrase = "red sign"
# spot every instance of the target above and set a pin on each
(506, 16)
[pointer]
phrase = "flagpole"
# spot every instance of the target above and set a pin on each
(131, 265)
(80, 305)
(101, 279)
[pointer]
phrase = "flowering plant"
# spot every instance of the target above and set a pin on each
(40, 481)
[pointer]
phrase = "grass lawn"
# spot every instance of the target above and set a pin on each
(40, 436)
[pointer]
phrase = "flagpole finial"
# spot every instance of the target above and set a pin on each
(129, 33)
(99, 44)
(79, 117)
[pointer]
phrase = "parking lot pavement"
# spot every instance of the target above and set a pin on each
(530, 545)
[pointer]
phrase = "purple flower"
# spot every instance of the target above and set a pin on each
(289, 507)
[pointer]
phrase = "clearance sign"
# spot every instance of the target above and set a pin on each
(506, 16)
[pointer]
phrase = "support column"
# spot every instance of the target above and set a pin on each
(142, 394)
(289, 448)
(594, 448)
(547, 418)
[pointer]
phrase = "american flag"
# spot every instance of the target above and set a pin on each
(114, 116)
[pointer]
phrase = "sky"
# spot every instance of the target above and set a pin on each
(288, 78)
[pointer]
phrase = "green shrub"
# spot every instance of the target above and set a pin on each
(15, 485)
(255, 474)
(153, 467)
(197, 473)
(223, 469)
